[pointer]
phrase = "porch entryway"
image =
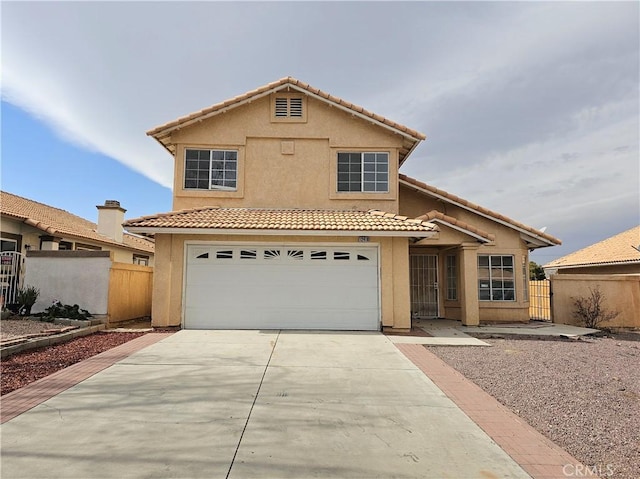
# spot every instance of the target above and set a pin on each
(424, 285)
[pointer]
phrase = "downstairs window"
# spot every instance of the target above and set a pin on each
(496, 278)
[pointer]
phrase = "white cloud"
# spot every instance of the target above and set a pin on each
(535, 103)
(573, 179)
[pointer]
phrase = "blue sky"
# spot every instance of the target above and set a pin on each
(41, 166)
(530, 108)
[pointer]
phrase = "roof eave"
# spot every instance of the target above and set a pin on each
(478, 237)
(54, 232)
(162, 133)
(361, 116)
(592, 265)
(535, 241)
(278, 232)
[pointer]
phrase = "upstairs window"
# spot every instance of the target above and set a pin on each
(211, 169)
(364, 172)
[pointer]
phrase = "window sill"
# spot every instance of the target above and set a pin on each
(185, 193)
(353, 195)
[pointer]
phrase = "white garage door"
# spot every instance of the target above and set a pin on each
(281, 287)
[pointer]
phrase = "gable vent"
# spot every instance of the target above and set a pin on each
(295, 107)
(281, 107)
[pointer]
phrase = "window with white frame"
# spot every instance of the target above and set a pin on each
(211, 169)
(496, 278)
(65, 245)
(140, 259)
(9, 244)
(452, 278)
(363, 171)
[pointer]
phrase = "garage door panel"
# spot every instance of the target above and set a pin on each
(295, 318)
(281, 287)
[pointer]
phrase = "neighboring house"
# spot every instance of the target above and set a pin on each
(31, 226)
(289, 212)
(611, 269)
(619, 254)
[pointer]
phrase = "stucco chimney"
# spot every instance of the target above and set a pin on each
(110, 219)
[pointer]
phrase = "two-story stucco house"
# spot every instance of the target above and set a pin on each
(290, 212)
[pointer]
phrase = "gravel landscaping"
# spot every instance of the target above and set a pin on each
(583, 395)
(10, 328)
(23, 368)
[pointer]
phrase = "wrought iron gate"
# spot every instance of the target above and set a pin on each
(10, 262)
(424, 285)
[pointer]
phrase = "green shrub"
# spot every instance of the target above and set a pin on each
(26, 298)
(59, 310)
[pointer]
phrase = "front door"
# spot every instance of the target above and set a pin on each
(424, 285)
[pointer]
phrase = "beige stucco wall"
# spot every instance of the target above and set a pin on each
(620, 292)
(267, 177)
(168, 285)
(507, 242)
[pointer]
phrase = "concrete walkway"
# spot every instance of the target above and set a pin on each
(244, 404)
(447, 332)
(441, 332)
(534, 328)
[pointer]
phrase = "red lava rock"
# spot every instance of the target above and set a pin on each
(24, 368)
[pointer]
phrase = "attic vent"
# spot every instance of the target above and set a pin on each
(282, 108)
(295, 107)
(286, 107)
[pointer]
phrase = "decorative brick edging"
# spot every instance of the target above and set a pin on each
(48, 340)
(23, 399)
(537, 455)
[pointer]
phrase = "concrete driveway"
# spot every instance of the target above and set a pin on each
(254, 404)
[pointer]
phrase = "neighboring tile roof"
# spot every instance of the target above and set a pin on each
(55, 221)
(478, 209)
(282, 219)
(619, 249)
(162, 132)
(450, 220)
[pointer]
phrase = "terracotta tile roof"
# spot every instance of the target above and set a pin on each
(619, 249)
(551, 240)
(438, 216)
(55, 221)
(283, 219)
(162, 132)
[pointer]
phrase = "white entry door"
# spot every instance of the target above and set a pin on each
(281, 287)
